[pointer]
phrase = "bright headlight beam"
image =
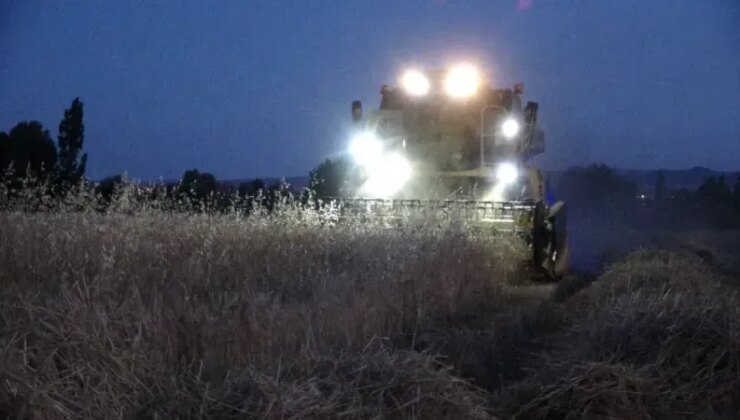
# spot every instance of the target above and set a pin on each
(365, 149)
(398, 170)
(507, 173)
(415, 83)
(462, 81)
(510, 128)
(387, 176)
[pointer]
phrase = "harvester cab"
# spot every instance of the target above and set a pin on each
(450, 139)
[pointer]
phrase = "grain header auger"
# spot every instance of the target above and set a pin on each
(448, 140)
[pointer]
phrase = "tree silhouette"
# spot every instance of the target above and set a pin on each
(598, 191)
(659, 186)
(736, 192)
(28, 148)
(108, 186)
(4, 152)
(329, 178)
(714, 190)
(715, 206)
(252, 188)
(70, 140)
(197, 185)
(597, 183)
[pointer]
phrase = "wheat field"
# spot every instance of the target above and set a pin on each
(162, 315)
(145, 313)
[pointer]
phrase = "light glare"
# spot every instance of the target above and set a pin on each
(507, 173)
(462, 81)
(496, 193)
(387, 176)
(365, 149)
(510, 128)
(415, 83)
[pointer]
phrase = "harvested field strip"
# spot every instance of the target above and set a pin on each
(658, 335)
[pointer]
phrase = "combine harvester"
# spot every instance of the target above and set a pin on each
(449, 141)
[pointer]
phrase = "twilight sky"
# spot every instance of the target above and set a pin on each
(263, 88)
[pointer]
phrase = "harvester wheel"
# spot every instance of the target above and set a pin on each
(558, 219)
(550, 247)
(561, 263)
(540, 235)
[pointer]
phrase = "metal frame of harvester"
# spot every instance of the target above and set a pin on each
(448, 141)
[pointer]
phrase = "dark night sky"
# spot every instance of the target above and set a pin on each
(262, 88)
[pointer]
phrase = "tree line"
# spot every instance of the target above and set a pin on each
(599, 192)
(30, 158)
(28, 152)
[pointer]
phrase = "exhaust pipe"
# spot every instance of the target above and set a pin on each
(356, 111)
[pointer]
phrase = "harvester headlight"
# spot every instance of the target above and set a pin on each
(510, 128)
(415, 83)
(507, 173)
(462, 81)
(397, 169)
(387, 176)
(366, 149)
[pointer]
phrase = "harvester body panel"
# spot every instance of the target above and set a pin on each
(470, 157)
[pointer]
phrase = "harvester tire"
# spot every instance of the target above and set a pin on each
(561, 265)
(551, 253)
(560, 256)
(539, 234)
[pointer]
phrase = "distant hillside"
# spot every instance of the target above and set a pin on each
(675, 179)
